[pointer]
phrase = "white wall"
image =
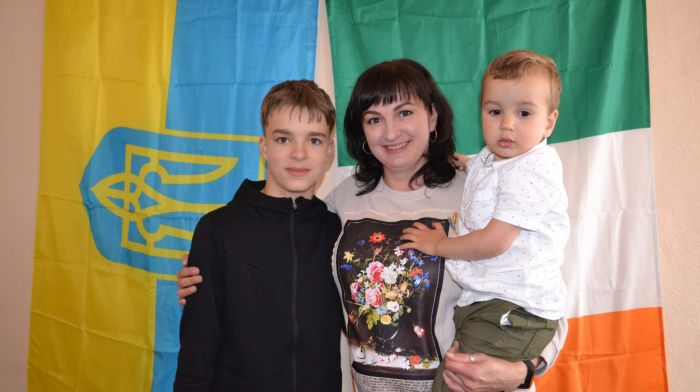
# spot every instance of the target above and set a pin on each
(21, 37)
(674, 39)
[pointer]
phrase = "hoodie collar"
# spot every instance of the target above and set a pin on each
(250, 192)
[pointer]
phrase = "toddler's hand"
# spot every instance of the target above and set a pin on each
(423, 238)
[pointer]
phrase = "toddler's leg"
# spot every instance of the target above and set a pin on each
(502, 329)
(479, 328)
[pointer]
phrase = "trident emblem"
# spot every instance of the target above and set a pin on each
(144, 192)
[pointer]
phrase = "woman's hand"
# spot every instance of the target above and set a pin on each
(459, 161)
(484, 373)
(187, 278)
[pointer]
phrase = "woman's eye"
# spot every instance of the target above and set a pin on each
(372, 120)
(405, 113)
(524, 113)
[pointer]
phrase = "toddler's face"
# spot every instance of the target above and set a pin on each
(515, 114)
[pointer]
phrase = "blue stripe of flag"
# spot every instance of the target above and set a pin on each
(227, 55)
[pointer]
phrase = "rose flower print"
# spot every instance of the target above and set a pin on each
(383, 281)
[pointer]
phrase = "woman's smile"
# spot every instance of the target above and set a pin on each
(396, 147)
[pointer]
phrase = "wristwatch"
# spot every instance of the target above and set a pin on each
(530, 376)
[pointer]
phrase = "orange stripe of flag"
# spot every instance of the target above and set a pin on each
(619, 351)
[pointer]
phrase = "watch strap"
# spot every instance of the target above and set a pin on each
(530, 376)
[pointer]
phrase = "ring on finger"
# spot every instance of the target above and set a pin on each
(472, 358)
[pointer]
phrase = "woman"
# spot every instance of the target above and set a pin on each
(399, 304)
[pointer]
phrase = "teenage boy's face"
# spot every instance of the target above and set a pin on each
(515, 114)
(298, 150)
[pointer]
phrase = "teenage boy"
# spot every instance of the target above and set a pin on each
(268, 317)
(513, 223)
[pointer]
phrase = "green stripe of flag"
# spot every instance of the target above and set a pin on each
(600, 47)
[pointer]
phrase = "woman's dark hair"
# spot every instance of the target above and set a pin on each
(386, 83)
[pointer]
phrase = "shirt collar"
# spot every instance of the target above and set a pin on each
(489, 157)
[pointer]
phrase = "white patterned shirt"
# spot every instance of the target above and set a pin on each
(526, 191)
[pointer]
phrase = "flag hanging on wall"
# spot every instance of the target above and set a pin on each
(615, 340)
(150, 119)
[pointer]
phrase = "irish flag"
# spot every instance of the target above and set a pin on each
(150, 119)
(615, 340)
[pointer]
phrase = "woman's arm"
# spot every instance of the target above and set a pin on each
(187, 280)
(488, 373)
(551, 351)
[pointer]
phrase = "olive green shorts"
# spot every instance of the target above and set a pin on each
(479, 330)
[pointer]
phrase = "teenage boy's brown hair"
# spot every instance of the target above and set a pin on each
(516, 63)
(301, 95)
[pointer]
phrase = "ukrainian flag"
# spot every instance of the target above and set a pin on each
(150, 119)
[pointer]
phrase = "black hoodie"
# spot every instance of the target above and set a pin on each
(267, 315)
